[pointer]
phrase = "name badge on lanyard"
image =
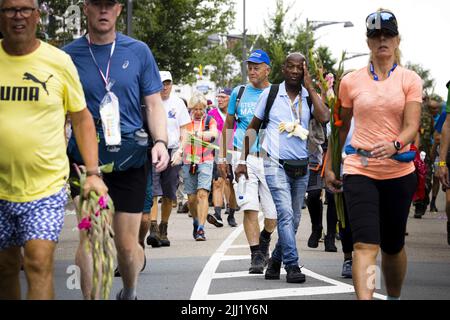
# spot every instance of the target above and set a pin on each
(109, 106)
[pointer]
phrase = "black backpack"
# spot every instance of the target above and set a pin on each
(270, 100)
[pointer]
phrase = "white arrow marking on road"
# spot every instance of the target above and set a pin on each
(201, 288)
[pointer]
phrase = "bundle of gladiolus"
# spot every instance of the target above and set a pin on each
(330, 90)
(95, 216)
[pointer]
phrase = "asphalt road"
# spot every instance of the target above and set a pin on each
(217, 269)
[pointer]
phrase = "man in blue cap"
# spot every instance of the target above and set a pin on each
(241, 108)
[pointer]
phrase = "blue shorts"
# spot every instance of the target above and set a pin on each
(41, 219)
(201, 180)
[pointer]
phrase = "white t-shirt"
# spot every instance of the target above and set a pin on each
(177, 116)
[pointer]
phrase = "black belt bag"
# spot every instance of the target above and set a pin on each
(295, 168)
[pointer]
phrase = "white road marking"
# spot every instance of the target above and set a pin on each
(201, 288)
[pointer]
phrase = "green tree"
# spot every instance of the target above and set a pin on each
(425, 74)
(177, 31)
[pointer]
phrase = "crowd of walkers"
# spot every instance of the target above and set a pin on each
(262, 147)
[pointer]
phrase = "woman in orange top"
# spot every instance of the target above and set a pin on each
(385, 100)
(198, 162)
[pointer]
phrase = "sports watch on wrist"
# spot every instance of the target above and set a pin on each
(96, 172)
(398, 145)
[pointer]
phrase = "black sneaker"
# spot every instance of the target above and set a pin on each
(294, 275)
(257, 263)
(347, 269)
(313, 241)
(329, 243)
(273, 270)
(215, 219)
(433, 207)
(231, 221)
(264, 247)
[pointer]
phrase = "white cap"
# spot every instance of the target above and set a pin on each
(165, 75)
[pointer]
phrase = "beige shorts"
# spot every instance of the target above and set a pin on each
(257, 194)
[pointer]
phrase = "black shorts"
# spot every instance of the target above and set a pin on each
(166, 183)
(126, 188)
(378, 209)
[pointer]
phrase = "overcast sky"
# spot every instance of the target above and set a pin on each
(424, 26)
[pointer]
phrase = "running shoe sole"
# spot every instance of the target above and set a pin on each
(214, 221)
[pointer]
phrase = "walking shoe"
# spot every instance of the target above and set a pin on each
(257, 263)
(347, 269)
(195, 225)
(215, 219)
(119, 295)
(183, 208)
(163, 234)
(153, 238)
(294, 274)
(231, 221)
(264, 245)
(313, 241)
(273, 270)
(419, 211)
(433, 207)
(329, 243)
(200, 235)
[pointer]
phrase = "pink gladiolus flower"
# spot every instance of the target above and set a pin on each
(85, 224)
(103, 202)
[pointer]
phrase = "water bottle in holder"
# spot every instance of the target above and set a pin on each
(241, 188)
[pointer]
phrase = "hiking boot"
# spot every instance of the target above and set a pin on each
(313, 241)
(215, 219)
(264, 245)
(163, 234)
(294, 275)
(329, 243)
(231, 221)
(153, 238)
(257, 263)
(273, 270)
(200, 235)
(183, 208)
(347, 269)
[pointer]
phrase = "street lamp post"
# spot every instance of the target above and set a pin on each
(313, 25)
(244, 50)
(129, 17)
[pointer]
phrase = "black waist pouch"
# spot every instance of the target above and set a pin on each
(295, 168)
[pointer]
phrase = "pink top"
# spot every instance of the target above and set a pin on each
(378, 108)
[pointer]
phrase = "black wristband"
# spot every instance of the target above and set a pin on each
(162, 141)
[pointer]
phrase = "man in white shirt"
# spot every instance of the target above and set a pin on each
(165, 183)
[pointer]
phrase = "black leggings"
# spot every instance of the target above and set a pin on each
(345, 233)
(315, 208)
(378, 209)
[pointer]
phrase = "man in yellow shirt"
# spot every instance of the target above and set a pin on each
(38, 85)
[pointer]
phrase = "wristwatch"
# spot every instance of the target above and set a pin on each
(398, 145)
(96, 172)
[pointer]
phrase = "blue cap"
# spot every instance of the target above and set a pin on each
(226, 91)
(259, 56)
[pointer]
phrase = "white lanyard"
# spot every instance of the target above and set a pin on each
(296, 113)
(105, 78)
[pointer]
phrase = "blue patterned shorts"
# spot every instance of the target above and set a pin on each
(41, 219)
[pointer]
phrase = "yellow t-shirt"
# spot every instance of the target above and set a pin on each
(378, 109)
(36, 91)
